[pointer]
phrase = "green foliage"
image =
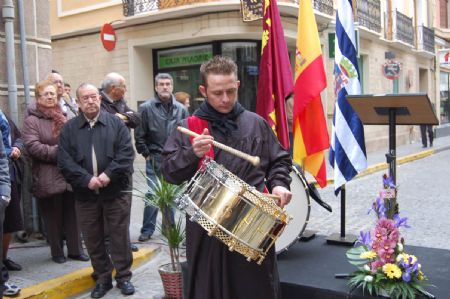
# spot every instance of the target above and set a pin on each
(161, 194)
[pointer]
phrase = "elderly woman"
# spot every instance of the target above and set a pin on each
(41, 134)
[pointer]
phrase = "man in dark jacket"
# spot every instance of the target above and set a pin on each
(159, 117)
(113, 92)
(96, 157)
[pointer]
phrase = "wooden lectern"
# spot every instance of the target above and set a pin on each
(392, 110)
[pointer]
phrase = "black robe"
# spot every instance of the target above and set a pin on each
(214, 271)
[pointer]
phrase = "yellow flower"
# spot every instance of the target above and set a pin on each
(406, 257)
(369, 255)
(392, 271)
(420, 276)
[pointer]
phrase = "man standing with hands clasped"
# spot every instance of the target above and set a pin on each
(213, 270)
(96, 157)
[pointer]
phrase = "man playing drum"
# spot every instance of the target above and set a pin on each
(214, 271)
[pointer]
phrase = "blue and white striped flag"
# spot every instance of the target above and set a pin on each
(348, 151)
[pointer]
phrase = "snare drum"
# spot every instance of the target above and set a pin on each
(299, 208)
(233, 211)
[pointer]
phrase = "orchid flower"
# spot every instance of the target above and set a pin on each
(399, 222)
(364, 239)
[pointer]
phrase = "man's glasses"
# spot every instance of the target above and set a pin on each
(86, 98)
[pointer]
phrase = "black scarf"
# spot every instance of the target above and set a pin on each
(223, 123)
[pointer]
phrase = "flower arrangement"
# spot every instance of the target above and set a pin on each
(384, 267)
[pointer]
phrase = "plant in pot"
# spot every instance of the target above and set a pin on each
(161, 194)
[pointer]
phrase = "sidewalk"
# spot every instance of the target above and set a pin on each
(41, 278)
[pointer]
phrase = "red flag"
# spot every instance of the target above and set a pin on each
(275, 78)
(309, 124)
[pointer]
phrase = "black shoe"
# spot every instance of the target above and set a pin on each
(59, 259)
(144, 238)
(11, 265)
(134, 248)
(126, 288)
(82, 257)
(101, 289)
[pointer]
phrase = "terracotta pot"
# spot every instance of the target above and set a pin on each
(172, 281)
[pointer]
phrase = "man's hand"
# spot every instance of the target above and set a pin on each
(284, 194)
(124, 118)
(15, 153)
(94, 183)
(202, 143)
(104, 179)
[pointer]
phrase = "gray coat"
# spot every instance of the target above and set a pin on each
(156, 125)
(5, 187)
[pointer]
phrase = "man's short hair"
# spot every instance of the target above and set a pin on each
(83, 85)
(67, 84)
(110, 80)
(163, 76)
(218, 65)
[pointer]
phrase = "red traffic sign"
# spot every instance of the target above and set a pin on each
(391, 69)
(108, 37)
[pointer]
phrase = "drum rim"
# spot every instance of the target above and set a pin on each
(308, 199)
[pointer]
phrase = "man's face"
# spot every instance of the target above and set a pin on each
(221, 91)
(57, 79)
(67, 90)
(88, 101)
(164, 89)
(118, 91)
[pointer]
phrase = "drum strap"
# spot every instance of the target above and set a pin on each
(197, 125)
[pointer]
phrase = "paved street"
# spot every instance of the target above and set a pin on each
(424, 197)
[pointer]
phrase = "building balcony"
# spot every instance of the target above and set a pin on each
(324, 6)
(425, 39)
(402, 28)
(369, 14)
(135, 7)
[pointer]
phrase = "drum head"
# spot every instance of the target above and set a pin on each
(299, 208)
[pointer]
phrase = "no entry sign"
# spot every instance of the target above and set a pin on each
(108, 37)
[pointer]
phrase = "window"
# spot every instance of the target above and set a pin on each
(183, 63)
(445, 103)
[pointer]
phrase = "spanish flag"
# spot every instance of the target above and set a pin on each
(275, 82)
(309, 124)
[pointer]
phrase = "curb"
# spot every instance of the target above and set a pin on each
(382, 166)
(78, 281)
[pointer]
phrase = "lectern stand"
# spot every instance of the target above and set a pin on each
(392, 110)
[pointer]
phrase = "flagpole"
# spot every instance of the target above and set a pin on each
(342, 238)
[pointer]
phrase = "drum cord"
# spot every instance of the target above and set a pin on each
(316, 196)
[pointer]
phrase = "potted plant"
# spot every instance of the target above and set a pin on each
(161, 194)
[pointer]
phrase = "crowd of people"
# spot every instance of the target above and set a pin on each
(82, 166)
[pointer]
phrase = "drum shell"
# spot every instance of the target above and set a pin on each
(237, 214)
(234, 213)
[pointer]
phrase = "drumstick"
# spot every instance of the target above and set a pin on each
(252, 159)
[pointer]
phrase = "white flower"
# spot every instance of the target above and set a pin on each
(419, 266)
(366, 268)
(368, 278)
(399, 258)
(399, 247)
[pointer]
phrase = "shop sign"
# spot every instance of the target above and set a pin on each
(184, 57)
(391, 69)
(251, 10)
(444, 59)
